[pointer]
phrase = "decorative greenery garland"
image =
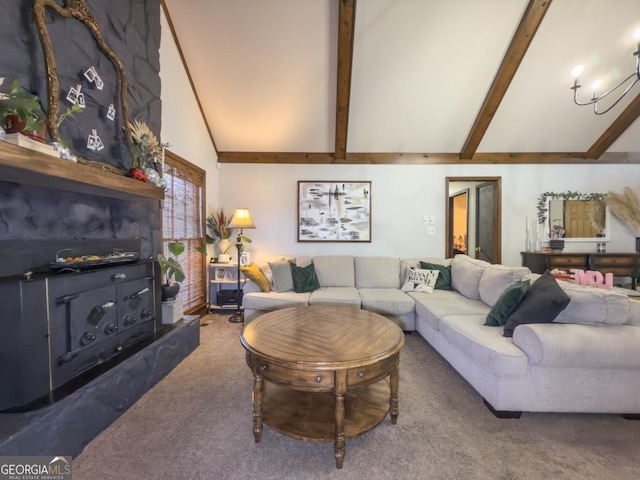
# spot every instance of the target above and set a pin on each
(542, 200)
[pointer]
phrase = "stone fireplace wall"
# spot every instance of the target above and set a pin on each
(37, 222)
(131, 29)
(34, 221)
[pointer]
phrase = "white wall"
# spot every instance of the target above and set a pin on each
(182, 124)
(402, 195)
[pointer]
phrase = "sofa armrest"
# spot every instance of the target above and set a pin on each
(634, 312)
(579, 345)
(250, 286)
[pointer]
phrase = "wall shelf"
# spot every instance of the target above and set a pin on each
(28, 167)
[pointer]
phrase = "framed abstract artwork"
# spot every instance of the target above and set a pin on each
(334, 211)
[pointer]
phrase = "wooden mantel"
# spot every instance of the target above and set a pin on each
(27, 167)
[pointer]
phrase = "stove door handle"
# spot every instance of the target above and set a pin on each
(67, 298)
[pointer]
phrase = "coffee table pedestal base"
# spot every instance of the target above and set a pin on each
(311, 416)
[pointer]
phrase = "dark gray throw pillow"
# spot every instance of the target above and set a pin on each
(443, 281)
(542, 303)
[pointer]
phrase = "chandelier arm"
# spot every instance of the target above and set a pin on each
(595, 104)
(607, 93)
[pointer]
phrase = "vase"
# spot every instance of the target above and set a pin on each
(556, 244)
(224, 245)
(169, 292)
(15, 124)
(137, 174)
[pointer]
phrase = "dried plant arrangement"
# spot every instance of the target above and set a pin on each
(625, 206)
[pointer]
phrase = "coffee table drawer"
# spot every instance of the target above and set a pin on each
(295, 378)
(371, 372)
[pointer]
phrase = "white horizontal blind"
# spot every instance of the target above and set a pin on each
(183, 221)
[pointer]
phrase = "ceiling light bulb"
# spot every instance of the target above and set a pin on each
(636, 34)
(577, 71)
(596, 85)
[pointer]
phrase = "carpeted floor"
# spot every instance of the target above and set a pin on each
(196, 424)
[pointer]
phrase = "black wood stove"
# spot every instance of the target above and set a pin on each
(60, 324)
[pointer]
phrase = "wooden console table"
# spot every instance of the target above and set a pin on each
(619, 264)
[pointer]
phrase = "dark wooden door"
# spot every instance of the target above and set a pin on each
(486, 220)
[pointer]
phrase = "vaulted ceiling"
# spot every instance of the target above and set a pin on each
(410, 81)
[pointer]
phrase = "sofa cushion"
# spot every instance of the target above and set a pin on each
(419, 280)
(507, 303)
(282, 278)
(341, 296)
(390, 301)
(580, 346)
(484, 345)
(255, 274)
(304, 278)
(335, 270)
(593, 305)
(466, 273)
(542, 303)
(433, 306)
(444, 274)
(496, 279)
(377, 272)
(274, 300)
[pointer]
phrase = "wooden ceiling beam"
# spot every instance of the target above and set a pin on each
(502, 158)
(275, 157)
(617, 128)
(529, 23)
(346, 27)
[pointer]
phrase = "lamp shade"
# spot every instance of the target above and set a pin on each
(241, 219)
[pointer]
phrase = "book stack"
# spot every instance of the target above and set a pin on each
(27, 142)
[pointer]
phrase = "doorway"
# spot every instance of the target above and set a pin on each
(459, 211)
(484, 217)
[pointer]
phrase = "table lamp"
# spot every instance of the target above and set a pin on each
(241, 219)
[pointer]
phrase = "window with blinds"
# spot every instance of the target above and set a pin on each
(183, 221)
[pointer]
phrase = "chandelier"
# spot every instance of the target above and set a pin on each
(577, 71)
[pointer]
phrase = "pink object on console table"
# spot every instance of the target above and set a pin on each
(592, 278)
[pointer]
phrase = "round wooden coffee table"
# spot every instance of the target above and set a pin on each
(326, 370)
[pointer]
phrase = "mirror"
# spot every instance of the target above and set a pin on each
(575, 217)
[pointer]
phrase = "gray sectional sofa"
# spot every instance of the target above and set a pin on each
(586, 360)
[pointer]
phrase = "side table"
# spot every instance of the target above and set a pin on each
(220, 276)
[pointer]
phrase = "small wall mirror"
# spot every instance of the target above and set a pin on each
(575, 217)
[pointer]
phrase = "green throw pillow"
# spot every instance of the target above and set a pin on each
(507, 303)
(304, 278)
(444, 275)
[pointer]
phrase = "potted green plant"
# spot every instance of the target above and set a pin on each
(172, 271)
(21, 112)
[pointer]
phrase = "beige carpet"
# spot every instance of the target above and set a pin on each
(196, 424)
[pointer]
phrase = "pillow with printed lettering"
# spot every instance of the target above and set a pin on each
(420, 280)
